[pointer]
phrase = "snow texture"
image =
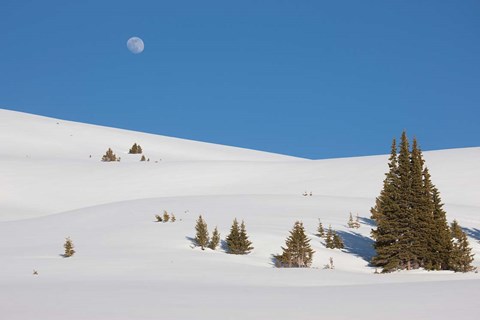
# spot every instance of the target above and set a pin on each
(127, 266)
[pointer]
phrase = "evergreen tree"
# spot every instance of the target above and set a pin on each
(461, 256)
(143, 158)
(135, 149)
(109, 156)
(351, 223)
(159, 219)
(166, 216)
(69, 251)
(320, 229)
(215, 241)
(386, 213)
(237, 240)
(173, 218)
(297, 253)
(337, 241)
(356, 223)
(329, 238)
(201, 237)
(246, 244)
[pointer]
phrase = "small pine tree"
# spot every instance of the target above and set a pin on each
(351, 223)
(158, 217)
(337, 241)
(320, 229)
(69, 251)
(356, 223)
(201, 237)
(297, 252)
(215, 241)
(166, 216)
(173, 218)
(109, 156)
(461, 256)
(143, 158)
(329, 238)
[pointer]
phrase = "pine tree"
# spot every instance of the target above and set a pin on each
(69, 251)
(297, 252)
(109, 156)
(329, 238)
(461, 256)
(173, 218)
(237, 240)
(215, 241)
(245, 244)
(201, 237)
(166, 216)
(356, 223)
(233, 239)
(158, 218)
(320, 229)
(143, 158)
(337, 241)
(440, 244)
(351, 223)
(135, 149)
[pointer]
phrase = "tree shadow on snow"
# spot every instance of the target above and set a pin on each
(358, 244)
(367, 221)
(192, 241)
(473, 233)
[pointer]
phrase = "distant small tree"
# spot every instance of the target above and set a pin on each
(166, 216)
(135, 149)
(357, 222)
(350, 223)
(143, 158)
(461, 256)
(69, 251)
(173, 218)
(297, 253)
(215, 241)
(320, 229)
(329, 238)
(158, 217)
(237, 240)
(337, 241)
(109, 156)
(201, 237)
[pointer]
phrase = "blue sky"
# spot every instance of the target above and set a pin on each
(315, 79)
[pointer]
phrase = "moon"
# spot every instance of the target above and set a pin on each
(135, 45)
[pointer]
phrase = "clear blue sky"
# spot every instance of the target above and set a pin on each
(315, 79)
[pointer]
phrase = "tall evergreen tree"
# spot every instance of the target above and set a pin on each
(337, 241)
(329, 238)
(386, 213)
(201, 237)
(245, 244)
(297, 252)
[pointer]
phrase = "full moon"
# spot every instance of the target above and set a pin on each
(135, 45)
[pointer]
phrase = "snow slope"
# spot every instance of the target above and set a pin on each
(129, 267)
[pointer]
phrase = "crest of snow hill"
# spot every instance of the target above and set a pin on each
(411, 225)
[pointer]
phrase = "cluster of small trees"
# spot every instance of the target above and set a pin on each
(332, 239)
(135, 149)
(237, 241)
(353, 224)
(165, 217)
(412, 230)
(109, 156)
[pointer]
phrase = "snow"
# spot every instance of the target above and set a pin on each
(129, 267)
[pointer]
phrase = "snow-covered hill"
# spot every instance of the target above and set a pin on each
(129, 267)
